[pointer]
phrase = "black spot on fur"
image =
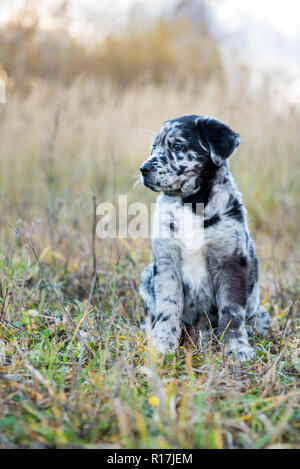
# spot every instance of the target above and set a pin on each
(159, 317)
(170, 300)
(235, 210)
(172, 227)
(186, 289)
(181, 170)
(206, 182)
(243, 261)
(166, 318)
(163, 160)
(154, 270)
(211, 221)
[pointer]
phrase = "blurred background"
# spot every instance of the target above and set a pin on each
(84, 87)
(88, 84)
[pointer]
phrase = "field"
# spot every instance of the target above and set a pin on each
(75, 367)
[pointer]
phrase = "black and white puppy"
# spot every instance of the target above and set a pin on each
(213, 284)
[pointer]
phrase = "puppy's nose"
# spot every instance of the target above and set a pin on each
(146, 168)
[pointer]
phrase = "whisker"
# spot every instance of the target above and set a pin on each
(135, 176)
(147, 132)
(138, 185)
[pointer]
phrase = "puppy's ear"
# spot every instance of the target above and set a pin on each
(219, 140)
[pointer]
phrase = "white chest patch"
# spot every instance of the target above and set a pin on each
(187, 236)
(194, 268)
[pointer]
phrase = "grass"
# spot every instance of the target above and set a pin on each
(75, 367)
(77, 371)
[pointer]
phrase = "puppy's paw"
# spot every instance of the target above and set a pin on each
(242, 351)
(162, 347)
(262, 321)
(163, 343)
(165, 337)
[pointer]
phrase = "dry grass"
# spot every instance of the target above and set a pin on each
(76, 370)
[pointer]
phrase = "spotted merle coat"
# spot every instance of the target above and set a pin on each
(213, 284)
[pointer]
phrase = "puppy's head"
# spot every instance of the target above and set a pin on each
(184, 151)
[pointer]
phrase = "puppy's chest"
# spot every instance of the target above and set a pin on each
(185, 229)
(194, 269)
(193, 247)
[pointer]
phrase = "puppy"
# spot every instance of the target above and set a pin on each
(208, 281)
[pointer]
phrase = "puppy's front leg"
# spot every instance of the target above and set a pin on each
(169, 301)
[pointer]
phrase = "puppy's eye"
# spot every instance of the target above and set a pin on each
(153, 147)
(178, 147)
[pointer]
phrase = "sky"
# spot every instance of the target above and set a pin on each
(284, 15)
(266, 33)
